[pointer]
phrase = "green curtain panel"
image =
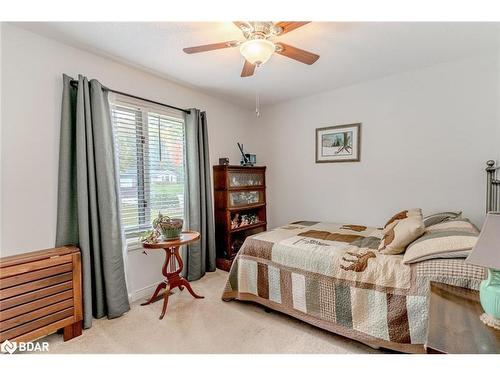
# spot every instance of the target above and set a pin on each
(88, 212)
(200, 256)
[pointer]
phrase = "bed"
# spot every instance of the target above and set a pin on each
(310, 271)
(333, 276)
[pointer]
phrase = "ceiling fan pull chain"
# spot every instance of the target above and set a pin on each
(257, 96)
(257, 103)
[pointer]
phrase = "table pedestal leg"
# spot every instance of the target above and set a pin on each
(165, 301)
(173, 279)
(185, 283)
(155, 294)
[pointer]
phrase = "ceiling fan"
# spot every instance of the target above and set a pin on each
(258, 46)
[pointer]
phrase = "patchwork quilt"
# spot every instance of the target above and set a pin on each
(333, 276)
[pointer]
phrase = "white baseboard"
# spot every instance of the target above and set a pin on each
(143, 293)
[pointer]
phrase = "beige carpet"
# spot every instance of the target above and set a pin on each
(204, 326)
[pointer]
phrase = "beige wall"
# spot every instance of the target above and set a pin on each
(498, 99)
(426, 136)
(1, 152)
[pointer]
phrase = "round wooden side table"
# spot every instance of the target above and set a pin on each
(172, 268)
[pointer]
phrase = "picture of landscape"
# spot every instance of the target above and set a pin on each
(339, 143)
(336, 143)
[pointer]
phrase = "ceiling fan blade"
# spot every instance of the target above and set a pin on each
(211, 47)
(242, 25)
(248, 69)
(288, 26)
(297, 54)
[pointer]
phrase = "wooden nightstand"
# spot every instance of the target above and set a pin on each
(454, 324)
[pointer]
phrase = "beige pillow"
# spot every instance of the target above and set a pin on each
(449, 239)
(403, 228)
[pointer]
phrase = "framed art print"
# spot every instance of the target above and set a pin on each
(340, 143)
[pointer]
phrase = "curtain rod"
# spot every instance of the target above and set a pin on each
(74, 83)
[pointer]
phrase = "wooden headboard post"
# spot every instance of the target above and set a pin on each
(492, 187)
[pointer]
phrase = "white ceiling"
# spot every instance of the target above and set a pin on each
(350, 52)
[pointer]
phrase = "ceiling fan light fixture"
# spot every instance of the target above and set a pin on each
(257, 51)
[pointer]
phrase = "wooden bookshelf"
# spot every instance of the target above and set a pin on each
(239, 192)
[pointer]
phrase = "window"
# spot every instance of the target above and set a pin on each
(151, 153)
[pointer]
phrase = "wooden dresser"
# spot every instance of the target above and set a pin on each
(40, 293)
(240, 208)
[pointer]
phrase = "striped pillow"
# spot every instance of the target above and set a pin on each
(449, 239)
(440, 217)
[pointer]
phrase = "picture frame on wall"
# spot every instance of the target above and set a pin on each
(341, 143)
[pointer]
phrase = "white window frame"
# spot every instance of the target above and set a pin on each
(145, 108)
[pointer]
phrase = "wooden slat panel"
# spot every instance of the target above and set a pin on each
(77, 286)
(32, 315)
(35, 275)
(33, 266)
(34, 285)
(19, 330)
(36, 255)
(44, 331)
(40, 292)
(37, 304)
(33, 296)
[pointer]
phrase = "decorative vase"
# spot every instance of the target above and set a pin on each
(489, 294)
(171, 229)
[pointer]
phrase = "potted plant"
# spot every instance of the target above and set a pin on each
(169, 228)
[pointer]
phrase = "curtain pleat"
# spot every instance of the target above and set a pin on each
(88, 213)
(200, 256)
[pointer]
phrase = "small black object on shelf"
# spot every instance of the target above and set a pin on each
(248, 160)
(223, 161)
(251, 159)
